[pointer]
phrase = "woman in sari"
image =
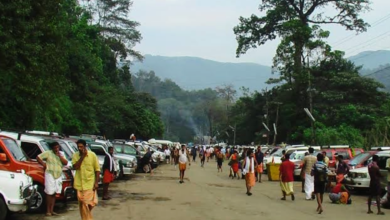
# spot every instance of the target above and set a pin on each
(249, 165)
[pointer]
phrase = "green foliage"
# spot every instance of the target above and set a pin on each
(341, 135)
(58, 73)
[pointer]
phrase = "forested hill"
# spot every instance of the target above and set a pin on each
(196, 73)
(375, 64)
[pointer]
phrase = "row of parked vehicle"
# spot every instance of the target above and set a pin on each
(22, 177)
(356, 158)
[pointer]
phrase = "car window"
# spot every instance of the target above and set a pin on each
(32, 150)
(345, 154)
(65, 149)
(73, 145)
(382, 162)
(130, 150)
(45, 145)
(15, 150)
(359, 158)
(118, 148)
(98, 150)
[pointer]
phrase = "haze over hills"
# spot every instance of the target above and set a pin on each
(194, 73)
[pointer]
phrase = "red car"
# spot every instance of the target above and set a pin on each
(333, 151)
(361, 160)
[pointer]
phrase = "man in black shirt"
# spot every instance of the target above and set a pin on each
(259, 158)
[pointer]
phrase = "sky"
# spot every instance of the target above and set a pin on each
(204, 28)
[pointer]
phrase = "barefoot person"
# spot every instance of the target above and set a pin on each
(308, 163)
(287, 177)
(108, 172)
(184, 157)
(202, 156)
(86, 180)
(220, 156)
(52, 161)
(234, 166)
(375, 184)
(259, 160)
(320, 174)
(249, 170)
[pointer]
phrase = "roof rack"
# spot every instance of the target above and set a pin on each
(380, 148)
(335, 147)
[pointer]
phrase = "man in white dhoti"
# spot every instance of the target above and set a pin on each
(308, 163)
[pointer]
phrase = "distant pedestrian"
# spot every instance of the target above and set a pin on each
(108, 172)
(202, 156)
(86, 180)
(375, 185)
(283, 155)
(183, 159)
(167, 155)
(249, 171)
(208, 153)
(147, 162)
(287, 177)
(308, 163)
(52, 161)
(259, 160)
(320, 174)
(220, 157)
(193, 153)
(234, 166)
(176, 156)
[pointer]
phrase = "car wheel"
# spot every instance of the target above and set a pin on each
(121, 173)
(3, 209)
(38, 201)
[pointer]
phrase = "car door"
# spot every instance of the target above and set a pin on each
(382, 165)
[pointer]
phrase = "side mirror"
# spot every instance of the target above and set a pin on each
(3, 157)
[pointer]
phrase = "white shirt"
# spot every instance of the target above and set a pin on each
(182, 156)
(167, 152)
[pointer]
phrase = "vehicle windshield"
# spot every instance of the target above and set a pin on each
(359, 158)
(73, 145)
(45, 145)
(98, 150)
(297, 156)
(65, 149)
(15, 150)
(278, 153)
(130, 150)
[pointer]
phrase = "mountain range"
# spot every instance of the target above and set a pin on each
(194, 73)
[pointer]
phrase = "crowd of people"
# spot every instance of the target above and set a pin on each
(315, 171)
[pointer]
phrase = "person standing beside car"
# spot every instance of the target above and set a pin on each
(308, 163)
(86, 180)
(375, 184)
(167, 155)
(109, 172)
(53, 162)
(259, 159)
(342, 168)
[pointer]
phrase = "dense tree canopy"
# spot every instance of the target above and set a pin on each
(59, 72)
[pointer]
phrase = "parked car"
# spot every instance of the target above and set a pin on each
(15, 160)
(127, 164)
(277, 156)
(333, 151)
(297, 159)
(360, 179)
(361, 160)
(16, 190)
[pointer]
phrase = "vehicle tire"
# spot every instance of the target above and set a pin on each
(38, 202)
(3, 209)
(121, 174)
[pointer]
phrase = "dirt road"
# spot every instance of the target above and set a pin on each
(209, 195)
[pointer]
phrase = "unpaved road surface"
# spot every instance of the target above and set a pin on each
(207, 195)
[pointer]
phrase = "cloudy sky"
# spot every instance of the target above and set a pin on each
(204, 28)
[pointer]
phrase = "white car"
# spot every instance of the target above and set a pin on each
(360, 177)
(15, 191)
(277, 156)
